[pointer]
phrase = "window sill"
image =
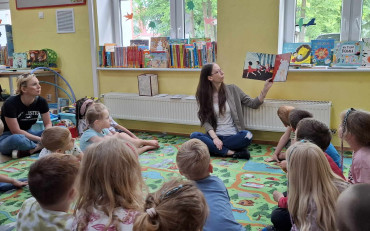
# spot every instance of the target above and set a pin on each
(329, 70)
(148, 69)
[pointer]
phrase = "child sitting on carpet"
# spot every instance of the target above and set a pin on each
(82, 105)
(177, 205)
(194, 162)
(110, 187)
(52, 184)
(59, 139)
(313, 188)
(355, 130)
(319, 134)
(283, 113)
(352, 208)
(97, 117)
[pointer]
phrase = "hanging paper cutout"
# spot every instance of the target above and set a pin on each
(190, 5)
(210, 21)
(152, 25)
(129, 16)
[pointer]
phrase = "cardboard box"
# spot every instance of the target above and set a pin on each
(148, 84)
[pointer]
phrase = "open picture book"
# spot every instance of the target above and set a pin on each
(261, 66)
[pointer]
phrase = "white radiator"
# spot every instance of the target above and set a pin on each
(184, 111)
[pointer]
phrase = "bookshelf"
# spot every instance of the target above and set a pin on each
(149, 69)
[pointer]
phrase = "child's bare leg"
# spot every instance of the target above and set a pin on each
(145, 148)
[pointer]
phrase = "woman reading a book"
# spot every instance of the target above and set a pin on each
(19, 113)
(220, 113)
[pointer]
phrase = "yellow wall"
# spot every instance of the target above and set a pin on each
(73, 49)
(243, 25)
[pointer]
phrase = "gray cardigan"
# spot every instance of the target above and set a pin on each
(236, 99)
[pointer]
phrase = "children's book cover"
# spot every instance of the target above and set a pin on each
(37, 57)
(322, 51)
(300, 52)
(366, 52)
(261, 66)
(200, 42)
(139, 42)
(348, 53)
(159, 44)
(19, 60)
(159, 59)
(177, 41)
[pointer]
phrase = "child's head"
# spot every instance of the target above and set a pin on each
(283, 113)
(315, 131)
(82, 105)
(98, 115)
(352, 208)
(297, 115)
(193, 160)
(356, 124)
(311, 180)
(110, 177)
(57, 139)
(177, 205)
(52, 179)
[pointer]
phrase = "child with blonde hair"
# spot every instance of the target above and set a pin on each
(352, 208)
(283, 113)
(355, 130)
(59, 139)
(98, 119)
(110, 187)
(52, 184)
(313, 188)
(194, 162)
(177, 205)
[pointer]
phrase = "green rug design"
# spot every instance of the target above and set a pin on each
(250, 183)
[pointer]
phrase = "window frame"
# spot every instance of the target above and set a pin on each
(351, 21)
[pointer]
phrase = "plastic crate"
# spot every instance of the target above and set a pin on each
(39, 125)
(69, 116)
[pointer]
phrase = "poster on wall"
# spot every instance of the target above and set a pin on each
(29, 4)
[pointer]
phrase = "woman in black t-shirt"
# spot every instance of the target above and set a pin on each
(19, 113)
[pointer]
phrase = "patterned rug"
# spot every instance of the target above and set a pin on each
(250, 183)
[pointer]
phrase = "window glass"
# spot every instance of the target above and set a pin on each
(365, 19)
(5, 19)
(317, 19)
(142, 19)
(201, 19)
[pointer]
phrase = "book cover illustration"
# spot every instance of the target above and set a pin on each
(322, 52)
(159, 59)
(19, 60)
(300, 52)
(348, 53)
(366, 52)
(159, 44)
(281, 67)
(37, 58)
(177, 41)
(258, 66)
(139, 42)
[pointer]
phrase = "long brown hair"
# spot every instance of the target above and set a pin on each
(178, 205)
(204, 96)
(110, 178)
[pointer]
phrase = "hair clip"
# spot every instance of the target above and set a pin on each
(170, 192)
(346, 117)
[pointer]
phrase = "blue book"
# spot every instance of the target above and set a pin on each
(322, 54)
(300, 52)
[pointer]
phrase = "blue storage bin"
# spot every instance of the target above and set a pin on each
(69, 116)
(39, 125)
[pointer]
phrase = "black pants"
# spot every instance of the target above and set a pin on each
(281, 219)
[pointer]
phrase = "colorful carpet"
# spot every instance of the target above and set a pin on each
(250, 183)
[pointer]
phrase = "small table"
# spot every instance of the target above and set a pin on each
(11, 74)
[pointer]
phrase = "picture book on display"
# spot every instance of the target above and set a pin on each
(300, 53)
(19, 60)
(366, 52)
(139, 42)
(322, 52)
(348, 54)
(159, 59)
(261, 66)
(159, 43)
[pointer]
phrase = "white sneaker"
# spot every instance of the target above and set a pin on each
(15, 154)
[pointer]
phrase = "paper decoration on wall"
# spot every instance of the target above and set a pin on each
(129, 16)
(300, 23)
(152, 25)
(190, 5)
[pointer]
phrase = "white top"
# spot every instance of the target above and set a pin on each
(225, 124)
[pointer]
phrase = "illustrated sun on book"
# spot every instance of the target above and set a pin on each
(261, 66)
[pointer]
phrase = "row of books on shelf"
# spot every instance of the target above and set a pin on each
(162, 53)
(329, 53)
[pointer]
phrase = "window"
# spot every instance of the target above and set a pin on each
(142, 19)
(305, 20)
(5, 19)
